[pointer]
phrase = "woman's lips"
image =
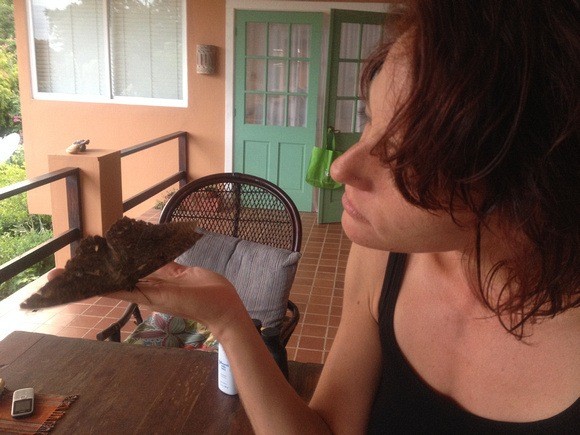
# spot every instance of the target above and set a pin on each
(351, 210)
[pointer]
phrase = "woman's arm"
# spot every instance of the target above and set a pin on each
(346, 389)
(351, 374)
(344, 394)
(272, 405)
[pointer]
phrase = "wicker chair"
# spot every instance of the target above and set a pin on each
(237, 205)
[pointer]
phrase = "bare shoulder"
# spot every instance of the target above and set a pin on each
(460, 349)
(365, 274)
(556, 343)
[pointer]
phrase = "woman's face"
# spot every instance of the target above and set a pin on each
(375, 213)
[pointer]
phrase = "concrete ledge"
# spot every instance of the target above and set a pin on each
(12, 318)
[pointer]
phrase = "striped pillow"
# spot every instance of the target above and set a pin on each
(212, 251)
(261, 274)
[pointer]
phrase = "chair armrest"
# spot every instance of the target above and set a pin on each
(289, 323)
(113, 332)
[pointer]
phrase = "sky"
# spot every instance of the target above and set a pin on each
(8, 144)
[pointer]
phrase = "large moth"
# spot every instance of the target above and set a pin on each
(130, 250)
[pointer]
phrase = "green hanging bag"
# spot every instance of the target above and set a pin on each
(318, 173)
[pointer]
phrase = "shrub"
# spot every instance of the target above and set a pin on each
(160, 203)
(14, 209)
(11, 246)
(20, 231)
(9, 97)
(18, 157)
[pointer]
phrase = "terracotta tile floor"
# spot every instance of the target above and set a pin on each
(317, 291)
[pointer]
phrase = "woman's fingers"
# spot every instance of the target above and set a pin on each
(189, 292)
(170, 270)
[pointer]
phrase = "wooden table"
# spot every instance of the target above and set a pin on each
(129, 388)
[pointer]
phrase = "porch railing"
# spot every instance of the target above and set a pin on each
(73, 194)
(70, 237)
(180, 176)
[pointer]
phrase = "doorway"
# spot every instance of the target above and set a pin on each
(259, 156)
(277, 65)
(353, 37)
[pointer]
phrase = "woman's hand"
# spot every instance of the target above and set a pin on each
(190, 292)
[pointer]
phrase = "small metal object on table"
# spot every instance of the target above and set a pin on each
(132, 389)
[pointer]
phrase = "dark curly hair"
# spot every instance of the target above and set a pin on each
(491, 123)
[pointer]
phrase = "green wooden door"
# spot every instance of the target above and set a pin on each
(277, 68)
(353, 36)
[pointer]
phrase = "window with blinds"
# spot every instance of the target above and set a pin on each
(128, 50)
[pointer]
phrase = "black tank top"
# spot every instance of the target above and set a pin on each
(405, 404)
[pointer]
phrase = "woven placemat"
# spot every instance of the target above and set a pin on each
(48, 409)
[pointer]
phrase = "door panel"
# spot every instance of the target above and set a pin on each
(256, 156)
(277, 68)
(291, 154)
(353, 36)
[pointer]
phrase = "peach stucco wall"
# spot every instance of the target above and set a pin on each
(50, 126)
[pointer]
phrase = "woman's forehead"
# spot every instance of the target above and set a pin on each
(390, 84)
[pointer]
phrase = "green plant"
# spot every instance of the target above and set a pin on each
(20, 231)
(14, 216)
(11, 246)
(18, 157)
(160, 203)
(25, 235)
(14, 209)
(9, 96)
(13, 212)
(6, 20)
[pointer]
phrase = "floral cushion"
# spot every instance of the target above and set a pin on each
(171, 331)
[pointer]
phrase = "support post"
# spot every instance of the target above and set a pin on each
(101, 193)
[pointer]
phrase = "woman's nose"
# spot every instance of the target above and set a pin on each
(352, 167)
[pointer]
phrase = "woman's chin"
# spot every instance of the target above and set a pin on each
(360, 233)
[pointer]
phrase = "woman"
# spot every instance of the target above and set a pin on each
(469, 164)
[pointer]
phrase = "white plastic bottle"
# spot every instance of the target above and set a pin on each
(225, 376)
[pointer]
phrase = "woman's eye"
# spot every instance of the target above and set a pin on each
(361, 118)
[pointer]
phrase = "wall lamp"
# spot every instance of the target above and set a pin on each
(206, 59)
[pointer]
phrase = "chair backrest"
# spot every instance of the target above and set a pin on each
(238, 205)
(248, 208)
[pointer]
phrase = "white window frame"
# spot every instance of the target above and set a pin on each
(109, 98)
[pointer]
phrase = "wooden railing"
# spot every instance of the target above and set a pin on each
(72, 175)
(70, 237)
(180, 176)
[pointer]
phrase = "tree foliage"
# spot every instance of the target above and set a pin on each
(19, 230)
(9, 94)
(6, 20)
(9, 97)
(14, 209)
(11, 247)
